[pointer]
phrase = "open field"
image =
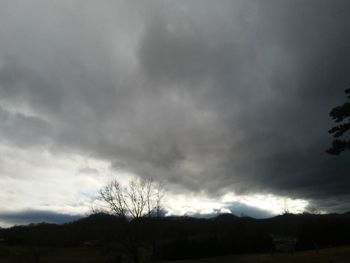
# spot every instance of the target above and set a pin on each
(331, 255)
(93, 255)
(51, 255)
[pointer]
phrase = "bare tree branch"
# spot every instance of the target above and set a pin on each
(139, 198)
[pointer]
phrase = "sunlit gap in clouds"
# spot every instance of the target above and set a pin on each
(235, 204)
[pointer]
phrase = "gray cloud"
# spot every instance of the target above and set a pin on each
(33, 216)
(213, 97)
(26, 86)
(24, 130)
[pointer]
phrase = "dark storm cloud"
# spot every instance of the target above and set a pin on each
(303, 49)
(213, 97)
(185, 56)
(294, 162)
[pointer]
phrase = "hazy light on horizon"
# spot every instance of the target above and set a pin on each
(70, 184)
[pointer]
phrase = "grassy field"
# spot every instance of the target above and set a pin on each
(331, 255)
(51, 255)
(92, 255)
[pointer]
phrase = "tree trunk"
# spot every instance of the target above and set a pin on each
(136, 255)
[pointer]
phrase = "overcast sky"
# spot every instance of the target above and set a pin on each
(222, 101)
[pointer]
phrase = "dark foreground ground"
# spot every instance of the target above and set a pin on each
(331, 255)
(93, 255)
(225, 238)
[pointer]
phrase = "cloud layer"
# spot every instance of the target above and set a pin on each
(231, 96)
(26, 217)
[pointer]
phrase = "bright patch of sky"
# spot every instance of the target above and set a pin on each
(70, 183)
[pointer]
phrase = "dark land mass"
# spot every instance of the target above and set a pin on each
(175, 238)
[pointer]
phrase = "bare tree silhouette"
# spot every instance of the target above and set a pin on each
(138, 199)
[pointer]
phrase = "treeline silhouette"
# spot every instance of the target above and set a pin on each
(186, 237)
